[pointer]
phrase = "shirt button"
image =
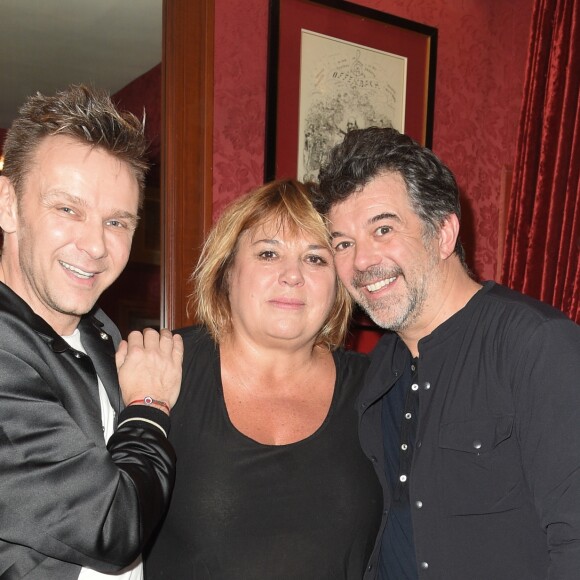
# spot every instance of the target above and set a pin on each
(104, 336)
(418, 504)
(404, 447)
(373, 459)
(424, 565)
(413, 368)
(477, 444)
(403, 478)
(419, 443)
(77, 354)
(427, 386)
(408, 415)
(414, 387)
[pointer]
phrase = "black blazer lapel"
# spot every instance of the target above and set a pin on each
(101, 350)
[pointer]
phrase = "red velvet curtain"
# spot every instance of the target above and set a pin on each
(542, 245)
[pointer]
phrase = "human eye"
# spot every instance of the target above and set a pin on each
(66, 210)
(117, 224)
(341, 246)
(316, 260)
(382, 230)
(267, 255)
(122, 222)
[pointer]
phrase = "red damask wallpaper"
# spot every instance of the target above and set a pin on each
(481, 62)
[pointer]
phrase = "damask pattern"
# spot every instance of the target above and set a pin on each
(241, 39)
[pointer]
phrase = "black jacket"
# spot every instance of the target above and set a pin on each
(495, 478)
(66, 500)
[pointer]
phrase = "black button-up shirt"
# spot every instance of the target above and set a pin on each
(494, 485)
(400, 408)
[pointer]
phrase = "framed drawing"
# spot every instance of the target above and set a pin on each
(334, 66)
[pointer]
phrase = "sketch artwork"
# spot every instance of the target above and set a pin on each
(344, 86)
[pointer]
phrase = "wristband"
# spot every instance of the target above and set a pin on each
(150, 401)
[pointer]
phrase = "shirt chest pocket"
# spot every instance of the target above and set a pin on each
(480, 466)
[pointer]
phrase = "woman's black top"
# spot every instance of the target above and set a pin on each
(243, 510)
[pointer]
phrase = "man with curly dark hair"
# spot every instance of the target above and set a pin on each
(469, 410)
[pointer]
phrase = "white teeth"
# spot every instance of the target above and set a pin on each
(76, 271)
(378, 285)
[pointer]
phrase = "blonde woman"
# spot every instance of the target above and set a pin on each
(271, 481)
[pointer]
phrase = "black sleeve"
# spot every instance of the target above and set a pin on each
(547, 373)
(61, 493)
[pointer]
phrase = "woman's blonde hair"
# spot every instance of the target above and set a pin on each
(286, 203)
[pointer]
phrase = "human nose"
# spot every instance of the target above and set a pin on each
(366, 254)
(292, 275)
(91, 240)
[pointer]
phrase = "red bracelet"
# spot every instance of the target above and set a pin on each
(150, 401)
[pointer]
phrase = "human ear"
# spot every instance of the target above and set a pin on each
(8, 206)
(448, 232)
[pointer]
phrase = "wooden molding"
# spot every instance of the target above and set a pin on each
(186, 151)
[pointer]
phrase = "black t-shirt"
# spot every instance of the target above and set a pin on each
(243, 510)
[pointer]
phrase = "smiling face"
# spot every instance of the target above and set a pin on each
(281, 286)
(69, 236)
(383, 256)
